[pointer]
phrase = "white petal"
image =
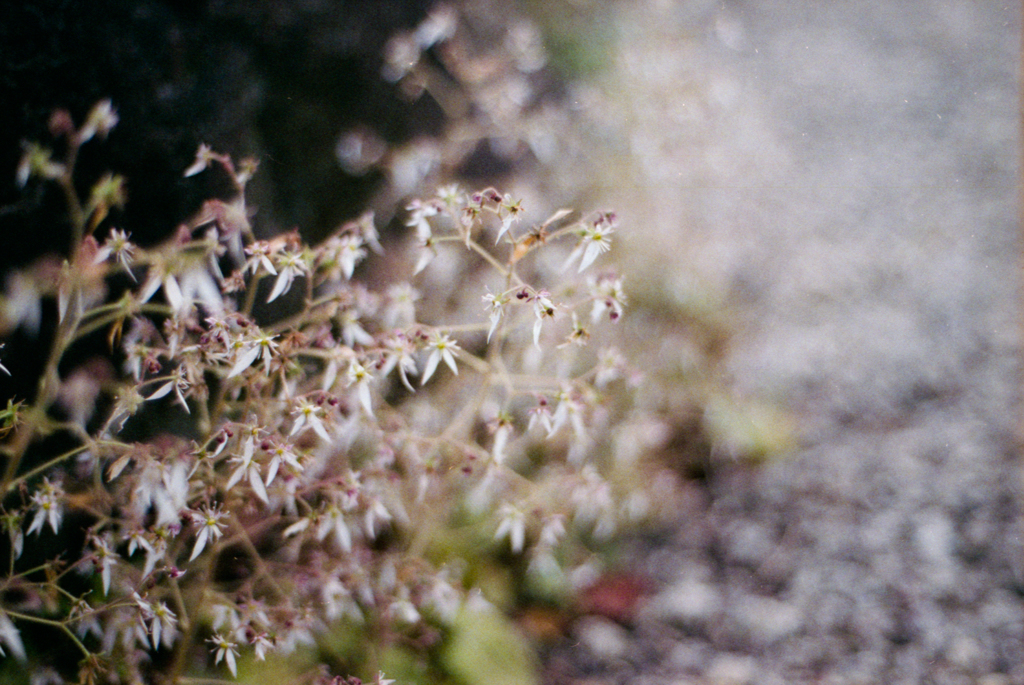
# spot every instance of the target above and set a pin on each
(428, 370)
(173, 292)
(10, 636)
(245, 361)
(257, 485)
(593, 249)
(282, 284)
(200, 543)
(162, 391)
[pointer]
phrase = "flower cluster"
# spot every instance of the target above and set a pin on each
(328, 451)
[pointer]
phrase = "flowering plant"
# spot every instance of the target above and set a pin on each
(344, 460)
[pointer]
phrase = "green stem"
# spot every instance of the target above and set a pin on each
(13, 483)
(49, 622)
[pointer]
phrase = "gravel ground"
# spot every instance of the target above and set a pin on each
(847, 172)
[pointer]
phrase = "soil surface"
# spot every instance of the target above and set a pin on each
(848, 174)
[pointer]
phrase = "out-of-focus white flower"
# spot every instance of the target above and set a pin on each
(570, 409)
(608, 298)
(513, 526)
(501, 436)
(398, 353)
(450, 195)
(204, 155)
(610, 364)
(333, 520)
(402, 609)
(375, 515)
(400, 306)
(22, 303)
(192, 284)
(10, 636)
(351, 331)
(442, 347)
(552, 530)
(102, 118)
(428, 250)
(419, 211)
(12, 524)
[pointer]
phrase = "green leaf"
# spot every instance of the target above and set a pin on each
(487, 649)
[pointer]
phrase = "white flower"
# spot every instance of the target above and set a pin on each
(594, 239)
(281, 453)
(398, 354)
(501, 436)
(176, 382)
(105, 558)
(259, 256)
(496, 307)
(49, 507)
(419, 211)
(450, 195)
(552, 531)
(210, 528)
(360, 377)
(226, 652)
(248, 468)
(541, 414)
(194, 284)
(442, 347)
(350, 253)
(308, 415)
(509, 211)
(262, 345)
(158, 621)
(163, 625)
(544, 308)
(291, 265)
